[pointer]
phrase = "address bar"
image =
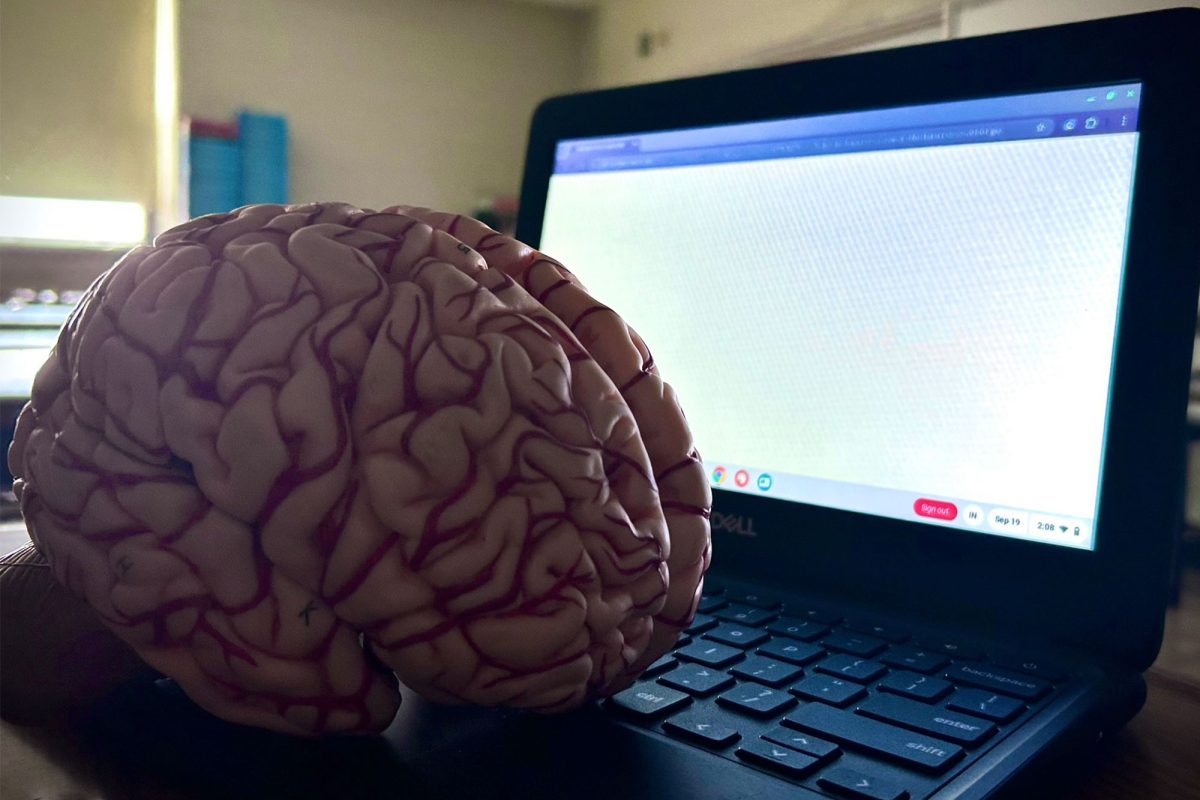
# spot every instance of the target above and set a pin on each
(836, 143)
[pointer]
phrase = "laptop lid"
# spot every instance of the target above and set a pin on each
(930, 311)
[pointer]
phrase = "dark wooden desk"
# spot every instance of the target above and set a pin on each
(1157, 757)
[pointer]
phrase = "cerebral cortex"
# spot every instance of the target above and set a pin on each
(297, 455)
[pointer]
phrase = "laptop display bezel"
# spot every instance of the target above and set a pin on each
(1108, 600)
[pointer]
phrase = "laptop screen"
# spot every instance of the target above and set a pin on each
(905, 312)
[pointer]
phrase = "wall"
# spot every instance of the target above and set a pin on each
(389, 101)
(713, 35)
(77, 99)
(693, 37)
(1009, 15)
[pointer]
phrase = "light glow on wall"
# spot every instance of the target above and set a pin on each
(169, 205)
(55, 222)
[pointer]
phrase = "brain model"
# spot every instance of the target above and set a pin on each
(293, 453)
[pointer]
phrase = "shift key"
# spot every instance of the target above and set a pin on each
(877, 737)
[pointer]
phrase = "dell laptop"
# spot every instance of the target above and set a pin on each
(930, 313)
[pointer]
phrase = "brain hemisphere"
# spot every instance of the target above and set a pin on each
(288, 451)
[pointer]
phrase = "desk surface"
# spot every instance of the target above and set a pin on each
(1156, 757)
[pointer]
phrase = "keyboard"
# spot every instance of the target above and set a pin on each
(848, 705)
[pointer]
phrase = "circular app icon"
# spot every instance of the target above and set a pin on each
(741, 478)
(718, 475)
(764, 482)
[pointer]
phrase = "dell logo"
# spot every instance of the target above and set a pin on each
(733, 523)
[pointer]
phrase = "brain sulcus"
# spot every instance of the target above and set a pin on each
(293, 454)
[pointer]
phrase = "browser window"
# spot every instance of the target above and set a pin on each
(907, 312)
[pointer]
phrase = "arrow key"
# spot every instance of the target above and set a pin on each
(702, 729)
(858, 784)
(804, 742)
(784, 760)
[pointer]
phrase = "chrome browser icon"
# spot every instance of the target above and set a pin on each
(718, 475)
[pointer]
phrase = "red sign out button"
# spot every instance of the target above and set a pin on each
(937, 509)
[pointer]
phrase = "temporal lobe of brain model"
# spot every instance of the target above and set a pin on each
(292, 453)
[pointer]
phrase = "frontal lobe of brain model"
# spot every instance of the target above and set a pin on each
(296, 454)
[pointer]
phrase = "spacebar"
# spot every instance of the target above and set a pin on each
(853, 730)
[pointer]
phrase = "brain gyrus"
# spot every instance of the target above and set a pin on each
(292, 454)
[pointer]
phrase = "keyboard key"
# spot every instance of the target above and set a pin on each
(796, 628)
(767, 670)
(991, 706)
(758, 701)
(745, 615)
(940, 722)
(698, 727)
(804, 742)
(856, 669)
(756, 599)
(784, 760)
(853, 730)
(811, 613)
(858, 644)
(1037, 667)
(914, 658)
(998, 680)
(857, 784)
(711, 654)
(660, 666)
(737, 635)
(793, 652)
(891, 633)
(828, 689)
(701, 623)
(696, 680)
(647, 700)
(709, 604)
(915, 685)
(953, 649)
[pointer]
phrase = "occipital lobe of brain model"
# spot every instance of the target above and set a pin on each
(296, 454)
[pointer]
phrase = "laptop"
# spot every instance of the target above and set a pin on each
(930, 315)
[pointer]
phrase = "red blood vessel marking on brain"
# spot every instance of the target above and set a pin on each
(294, 453)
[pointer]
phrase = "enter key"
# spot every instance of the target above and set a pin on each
(953, 726)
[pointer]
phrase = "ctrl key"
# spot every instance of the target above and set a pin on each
(783, 760)
(648, 700)
(857, 784)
